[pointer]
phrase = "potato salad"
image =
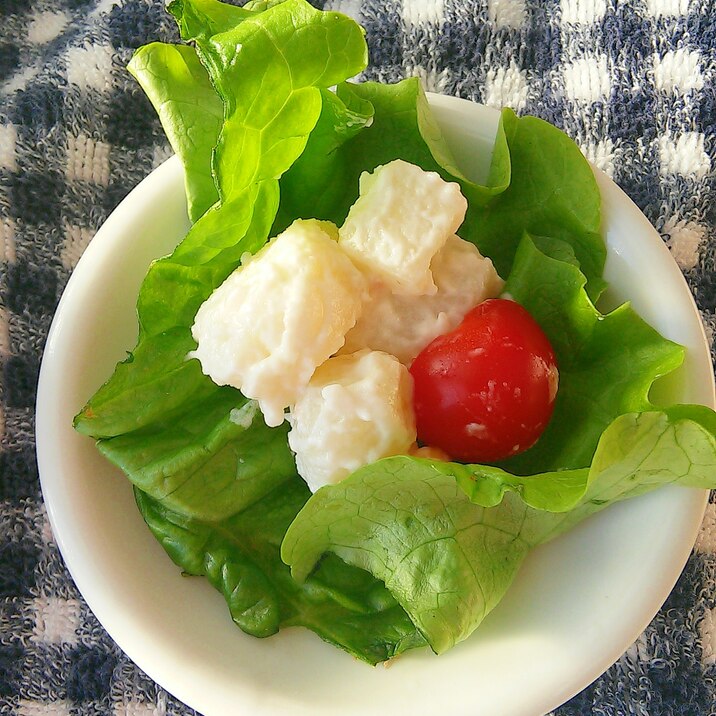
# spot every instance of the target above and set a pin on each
(377, 290)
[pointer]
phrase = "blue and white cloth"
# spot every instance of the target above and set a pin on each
(632, 81)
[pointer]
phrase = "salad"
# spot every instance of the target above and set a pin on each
(406, 551)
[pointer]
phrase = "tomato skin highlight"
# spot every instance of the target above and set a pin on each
(486, 390)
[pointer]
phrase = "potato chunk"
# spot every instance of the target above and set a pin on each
(278, 316)
(357, 409)
(401, 219)
(404, 325)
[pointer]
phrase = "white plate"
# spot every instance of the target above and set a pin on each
(577, 604)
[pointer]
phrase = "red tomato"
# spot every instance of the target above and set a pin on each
(486, 390)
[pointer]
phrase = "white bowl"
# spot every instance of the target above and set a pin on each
(577, 604)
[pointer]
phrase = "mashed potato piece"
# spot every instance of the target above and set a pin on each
(404, 325)
(277, 317)
(401, 219)
(356, 409)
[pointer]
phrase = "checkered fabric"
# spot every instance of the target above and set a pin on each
(632, 81)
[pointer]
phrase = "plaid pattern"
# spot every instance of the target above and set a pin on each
(633, 83)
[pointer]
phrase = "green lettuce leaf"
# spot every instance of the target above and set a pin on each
(607, 363)
(322, 183)
(272, 100)
(639, 453)
(538, 181)
(200, 19)
(190, 112)
(406, 129)
(261, 139)
(240, 557)
(552, 192)
(395, 123)
(158, 417)
(211, 461)
(447, 560)
(632, 449)
(153, 383)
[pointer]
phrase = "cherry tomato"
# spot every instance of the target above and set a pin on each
(486, 390)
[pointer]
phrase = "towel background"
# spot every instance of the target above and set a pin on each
(632, 81)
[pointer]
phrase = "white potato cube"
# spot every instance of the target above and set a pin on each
(404, 325)
(278, 316)
(401, 219)
(357, 409)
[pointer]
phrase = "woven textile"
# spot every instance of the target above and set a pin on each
(632, 81)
